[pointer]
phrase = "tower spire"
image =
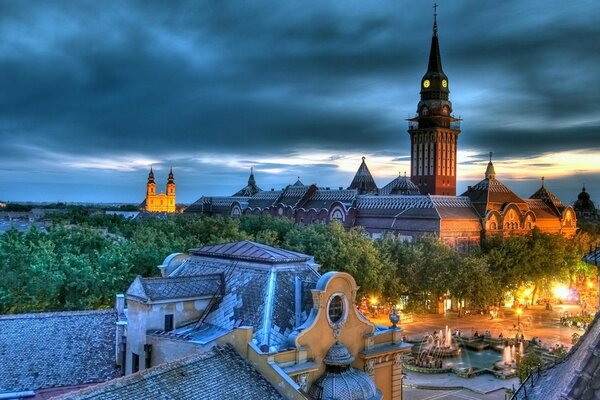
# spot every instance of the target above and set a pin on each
(435, 6)
(490, 172)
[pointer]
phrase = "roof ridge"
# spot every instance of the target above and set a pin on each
(57, 314)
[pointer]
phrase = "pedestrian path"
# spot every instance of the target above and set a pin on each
(482, 384)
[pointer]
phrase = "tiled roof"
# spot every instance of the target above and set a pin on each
(218, 204)
(401, 206)
(157, 289)
(291, 195)
(218, 374)
(491, 191)
(363, 180)
(324, 198)
(541, 209)
(264, 199)
(549, 198)
(453, 207)
(56, 349)
(577, 376)
(251, 251)
(255, 296)
(401, 185)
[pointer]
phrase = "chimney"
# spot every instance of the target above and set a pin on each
(120, 304)
(297, 301)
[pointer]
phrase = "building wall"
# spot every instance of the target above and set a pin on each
(160, 203)
(145, 317)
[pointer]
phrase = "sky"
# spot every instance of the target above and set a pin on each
(94, 93)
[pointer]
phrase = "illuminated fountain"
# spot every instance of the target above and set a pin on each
(434, 348)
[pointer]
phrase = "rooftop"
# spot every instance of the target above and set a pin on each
(202, 376)
(251, 251)
(56, 349)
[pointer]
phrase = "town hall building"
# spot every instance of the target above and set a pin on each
(409, 207)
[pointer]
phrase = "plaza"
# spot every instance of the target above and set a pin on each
(535, 321)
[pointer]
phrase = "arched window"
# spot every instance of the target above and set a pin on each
(337, 215)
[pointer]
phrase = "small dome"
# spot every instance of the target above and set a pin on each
(402, 185)
(583, 196)
(341, 381)
(338, 354)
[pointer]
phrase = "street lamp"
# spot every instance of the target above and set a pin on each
(519, 312)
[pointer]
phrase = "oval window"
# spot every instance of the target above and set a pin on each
(336, 308)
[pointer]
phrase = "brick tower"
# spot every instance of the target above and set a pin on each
(434, 131)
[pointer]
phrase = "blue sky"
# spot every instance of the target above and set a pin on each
(93, 93)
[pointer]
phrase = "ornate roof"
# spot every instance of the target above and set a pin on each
(549, 198)
(220, 373)
(583, 202)
(338, 354)
(160, 289)
(46, 350)
(251, 251)
(251, 189)
(363, 181)
(400, 185)
(340, 381)
(490, 193)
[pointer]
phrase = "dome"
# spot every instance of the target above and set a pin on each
(338, 354)
(401, 185)
(583, 196)
(584, 203)
(341, 381)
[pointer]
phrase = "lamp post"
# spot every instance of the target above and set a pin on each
(519, 312)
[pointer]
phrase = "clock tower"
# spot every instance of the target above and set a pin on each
(434, 131)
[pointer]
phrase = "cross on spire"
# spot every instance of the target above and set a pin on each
(491, 154)
(542, 181)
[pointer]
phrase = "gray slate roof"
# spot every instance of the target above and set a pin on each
(251, 251)
(218, 374)
(56, 349)
(157, 289)
(257, 294)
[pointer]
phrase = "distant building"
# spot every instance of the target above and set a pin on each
(584, 207)
(161, 202)
(488, 208)
(425, 203)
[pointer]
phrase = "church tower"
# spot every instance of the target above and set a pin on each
(171, 184)
(434, 131)
(151, 185)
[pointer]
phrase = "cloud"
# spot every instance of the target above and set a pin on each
(213, 87)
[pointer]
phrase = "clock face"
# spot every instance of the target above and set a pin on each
(445, 83)
(426, 83)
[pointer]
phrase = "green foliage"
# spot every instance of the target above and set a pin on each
(529, 362)
(87, 257)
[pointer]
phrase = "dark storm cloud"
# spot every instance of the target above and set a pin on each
(175, 81)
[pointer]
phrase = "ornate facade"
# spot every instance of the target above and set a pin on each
(299, 329)
(161, 202)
